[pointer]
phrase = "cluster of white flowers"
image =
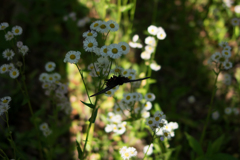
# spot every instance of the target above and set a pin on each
(9, 53)
(52, 85)
(45, 129)
(90, 44)
(116, 125)
(160, 125)
(80, 23)
(16, 30)
(235, 21)
(227, 111)
(151, 44)
(223, 57)
(135, 42)
(230, 110)
(4, 104)
(11, 69)
(128, 152)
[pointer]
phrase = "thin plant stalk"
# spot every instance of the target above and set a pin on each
(210, 107)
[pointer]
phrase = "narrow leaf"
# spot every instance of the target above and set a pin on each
(194, 144)
(217, 144)
(88, 104)
(126, 7)
(80, 152)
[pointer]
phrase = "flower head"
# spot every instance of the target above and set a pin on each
(14, 73)
(72, 57)
(8, 53)
(90, 44)
(235, 21)
(114, 51)
(150, 97)
(95, 25)
(50, 66)
(112, 25)
(3, 25)
(125, 47)
(153, 30)
(4, 68)
(23, 49)
(161, 33)
(9, 36)
(5, 100)
(17, 30)
(90, 34)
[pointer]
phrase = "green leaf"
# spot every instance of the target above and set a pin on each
(150, 81)
(89, 105)
(80, 152)
(217, 144)
(25, 101)
(93, 118)
(126, 7)
(194, 144)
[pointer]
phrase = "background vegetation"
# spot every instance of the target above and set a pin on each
(194, 30)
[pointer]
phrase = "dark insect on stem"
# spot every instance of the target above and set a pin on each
(116, 80)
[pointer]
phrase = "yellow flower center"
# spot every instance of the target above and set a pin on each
(125, 72)
(150, 122)
(128, 97)
(157, 118)
(123, 47)
(8, 54)
(103, 26)
(105, 50)
(72, 56)
(226, 53)
(16, 30)
(49, 66)
(152, 30)
(222, 59)
(149, 96)
(161, 124)
(14, 73)
(165, 134)
(126, 154)
(4, 69)
(112, 25)
(227, 64)
(89, 34)
(50, 78)
(90, 44)
(114, 50)
(91, 67)
(129, 77)
(5, 101)
(117, 70)
(95, 25)
(2, 27)
(118, 109)
(217, 56)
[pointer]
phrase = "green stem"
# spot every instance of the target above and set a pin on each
(10, 135)
(90, 124)
(84, 82)
(32, 115)
(210, 107)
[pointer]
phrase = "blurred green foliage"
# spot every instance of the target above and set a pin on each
(194, 29)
